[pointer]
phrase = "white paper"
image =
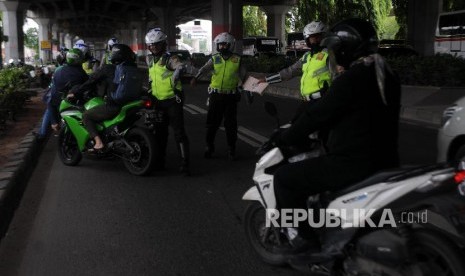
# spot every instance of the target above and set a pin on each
(252, 85)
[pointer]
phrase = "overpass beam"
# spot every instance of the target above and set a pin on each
(13, 21)
(275, 22)
(227, 17)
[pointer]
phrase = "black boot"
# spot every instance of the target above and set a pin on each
(183, 148)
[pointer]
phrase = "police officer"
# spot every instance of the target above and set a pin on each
(228, 73)
(313, 66)
(362, 110)
(106, 57)
(164, 74)
(89, 61)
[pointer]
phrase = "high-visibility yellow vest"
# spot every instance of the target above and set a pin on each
(315, 72)
(225, 75)
(86, 65)
(106, 58)
(161, 77)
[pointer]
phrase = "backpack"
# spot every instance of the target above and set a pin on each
(129, 84)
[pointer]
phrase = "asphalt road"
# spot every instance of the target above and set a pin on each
(97, 219)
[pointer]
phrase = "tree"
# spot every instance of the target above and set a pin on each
(254, 21)
(331, 11)
(31, 39)
(400, 8)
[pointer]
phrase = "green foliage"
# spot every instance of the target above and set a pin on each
(400, 8)
(31, 38)
(439, 70)
(332, 11)
(265, 64)
(254, 21)
(13, 82)
(453, 5)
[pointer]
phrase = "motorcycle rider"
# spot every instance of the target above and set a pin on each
(228, 73)
(70, 74)
(106, 57)
(361, 110)
(120, 54)
(164, 75)
(313, 66)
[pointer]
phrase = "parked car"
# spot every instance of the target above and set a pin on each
(451, 134)
(396, 48)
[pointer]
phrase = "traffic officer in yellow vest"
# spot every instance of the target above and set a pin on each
(228, 74)
(106, 57)
(164, 75)
(313, 67)
(89, 61)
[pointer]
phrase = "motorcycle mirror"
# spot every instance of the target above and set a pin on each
(270, 108)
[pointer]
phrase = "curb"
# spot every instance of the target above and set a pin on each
(15, 174)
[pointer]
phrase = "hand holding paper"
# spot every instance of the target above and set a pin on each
(252, 84)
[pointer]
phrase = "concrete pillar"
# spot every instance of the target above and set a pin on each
(69, 42)
(275, 21)
(227, 17)
(421, 24)
(167, 23)
(44, 35)
(138, 37)
(13, 21)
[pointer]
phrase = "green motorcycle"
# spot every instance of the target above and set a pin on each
(122, 135)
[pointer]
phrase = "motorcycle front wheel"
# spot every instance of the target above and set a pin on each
(140, 161)
(68, 149)
(437, 255)
(264, 240)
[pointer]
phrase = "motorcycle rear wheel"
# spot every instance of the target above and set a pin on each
(68, 149)
(438, 254)
(262, 239)
(141, 161)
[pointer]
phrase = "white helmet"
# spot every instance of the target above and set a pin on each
(225, 38)
(315, 27)
(112, 41)
(81, 45)
(155, 35)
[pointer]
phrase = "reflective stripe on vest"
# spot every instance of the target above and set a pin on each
(161, 78)
(225, 72)
(315, 73)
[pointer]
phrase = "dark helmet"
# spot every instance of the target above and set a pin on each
(350, 39)
(121, 53)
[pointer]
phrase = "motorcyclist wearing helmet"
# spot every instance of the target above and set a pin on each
(121, 54)
(228, 75)
(361, 109)
(313, 67)
(61, 57)
(64, 77)
(106, 57)
(164, 75)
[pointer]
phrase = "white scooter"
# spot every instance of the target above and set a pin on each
(423, 232)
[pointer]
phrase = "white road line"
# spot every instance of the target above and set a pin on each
(196, 108)
(190, 110)
(252, 134)
(245, 139)
(248, 141)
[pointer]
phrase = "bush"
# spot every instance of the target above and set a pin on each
(438, 70)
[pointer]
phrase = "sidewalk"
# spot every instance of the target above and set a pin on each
(420, 104)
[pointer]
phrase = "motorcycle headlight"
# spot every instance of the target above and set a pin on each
(448, 113)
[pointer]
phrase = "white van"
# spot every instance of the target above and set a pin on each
(450, 33)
